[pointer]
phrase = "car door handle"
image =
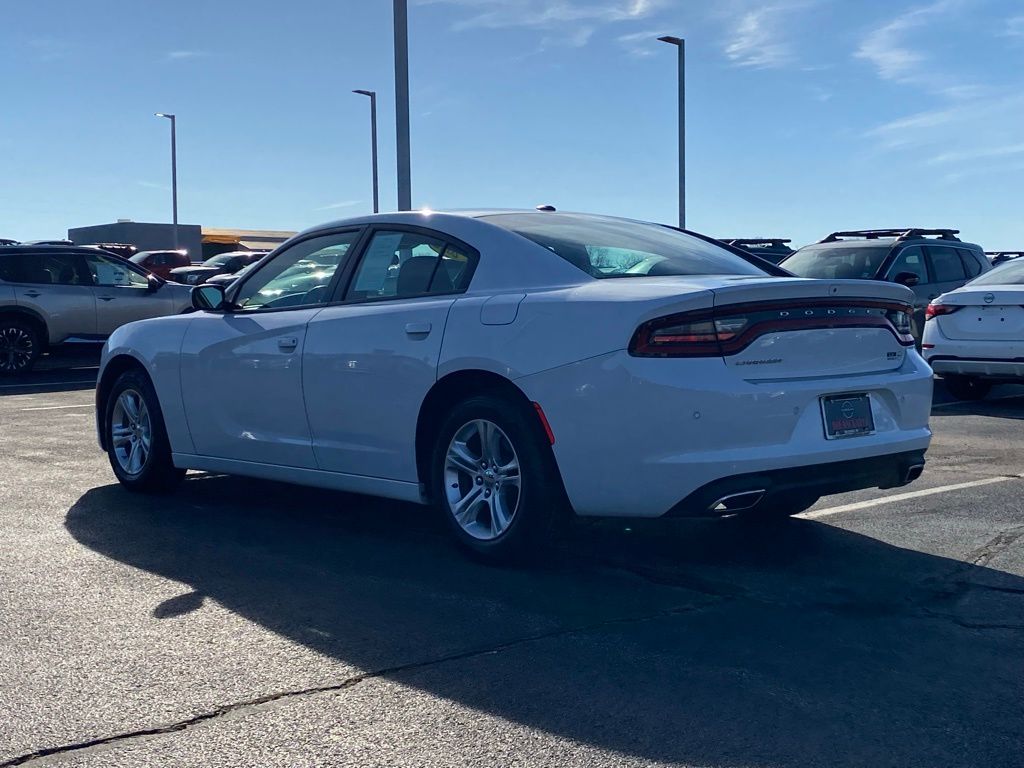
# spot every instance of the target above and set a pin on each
(33, 294)
(287, 345)
(105, 298)
(417, 329)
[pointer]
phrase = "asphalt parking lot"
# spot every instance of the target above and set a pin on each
(250, 623)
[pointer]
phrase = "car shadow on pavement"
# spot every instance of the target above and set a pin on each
(707, 642)
(1005, 407)
(62, 370)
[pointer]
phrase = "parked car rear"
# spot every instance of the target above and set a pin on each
(974, 336)
(221, 264)
(773, 249)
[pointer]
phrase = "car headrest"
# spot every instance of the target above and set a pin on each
(414, 276)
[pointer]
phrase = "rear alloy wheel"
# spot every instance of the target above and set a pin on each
(967, 388)
(494, 479)
(19, 347)
(136, 440)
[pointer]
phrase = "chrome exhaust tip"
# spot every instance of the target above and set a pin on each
(737, 502)
(913, 473)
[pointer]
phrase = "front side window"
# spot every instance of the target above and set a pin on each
(909, 260)
(113, 273)
(832, 262)
(946, 264)
(609, 248)
(298, 276)
(404, 264)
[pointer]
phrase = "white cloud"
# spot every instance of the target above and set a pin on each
(177, 55)
(896, 59)
(986, 153)
(342, 204)
(585, 15)
(1014, 27)
(759, 37)
(641, 43)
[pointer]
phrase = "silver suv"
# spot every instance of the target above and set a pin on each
(53, 294)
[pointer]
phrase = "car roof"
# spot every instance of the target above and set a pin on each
(49, 249)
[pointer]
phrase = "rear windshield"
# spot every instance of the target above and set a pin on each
(1008, 273)
(606, 248)
(139, 258)
(837, 263)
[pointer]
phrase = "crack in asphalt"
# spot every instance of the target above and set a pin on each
(984, 554)
(47, 755)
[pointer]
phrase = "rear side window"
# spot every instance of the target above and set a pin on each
(609, 248)
(398, 265)
(946, 264)
(1007, 273)
(971, 264)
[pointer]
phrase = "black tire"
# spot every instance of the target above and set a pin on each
(157, 473)
(20, 346)
(540, 504)
(967, 388)
(782, 508)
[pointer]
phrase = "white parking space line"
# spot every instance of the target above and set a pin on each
(903, 497)
(56, 407)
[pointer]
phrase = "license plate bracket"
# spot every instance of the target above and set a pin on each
(847, 416)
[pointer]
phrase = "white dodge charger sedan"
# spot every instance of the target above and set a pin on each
(506, 366)
(974, 336)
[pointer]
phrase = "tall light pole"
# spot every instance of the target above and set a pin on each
(681, 45)
(402, 104)
(373, 142)
(174, 172)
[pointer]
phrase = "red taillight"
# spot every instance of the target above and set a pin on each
(937, 310)
(731, 329)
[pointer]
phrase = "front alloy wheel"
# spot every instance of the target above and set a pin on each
(131, 432)
(481, 479)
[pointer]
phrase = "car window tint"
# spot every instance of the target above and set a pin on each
(109, 272)
(404, 264)
(831, 262)
(971, 264)
(617, 248)
(946, 264)
(298, 276)
(911, 260)
(44, 268)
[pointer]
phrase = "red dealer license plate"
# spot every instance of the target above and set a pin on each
(847, 416)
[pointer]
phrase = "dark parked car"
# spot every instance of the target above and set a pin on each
(124, 250)
(773, 249)
(928, 261)
(160, 263)
(222, 264)
(1001, 257)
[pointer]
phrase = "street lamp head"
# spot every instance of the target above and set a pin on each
(164, 114)
(672, 40)
(365, 93)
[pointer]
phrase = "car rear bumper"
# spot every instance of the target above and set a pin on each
(762, 490)
(635, 437)
(984, 369)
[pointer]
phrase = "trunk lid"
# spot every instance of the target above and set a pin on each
(986, 313)
(802, 329)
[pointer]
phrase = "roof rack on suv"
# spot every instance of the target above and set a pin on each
(756, 241)
(899, 234)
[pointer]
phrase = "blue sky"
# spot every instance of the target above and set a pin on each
(804, 115)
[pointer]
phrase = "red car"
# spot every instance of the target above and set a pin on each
(160, 263)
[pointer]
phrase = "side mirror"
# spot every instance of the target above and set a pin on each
(154, 283)
(908, 279)
(208, 297)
